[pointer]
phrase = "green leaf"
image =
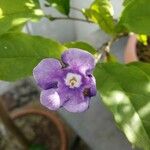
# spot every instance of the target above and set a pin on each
(14, 13)
(81, 45)
(125, 90)
(135, 17)
(20, 53)
(61, 5)
(111, 58)
(101, 12)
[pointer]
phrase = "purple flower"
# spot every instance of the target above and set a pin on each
(68, 83)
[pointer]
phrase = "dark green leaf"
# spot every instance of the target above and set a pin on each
(125, 90)
(14, 13)
(20, 53)
(81, 45)
(61, 5)
(135, 17)
(126, 2)
(101, 12)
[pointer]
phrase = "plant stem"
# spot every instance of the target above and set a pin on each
(105, 47)
(77, 9)
(104, 50)
(9, 124)
(67, 18)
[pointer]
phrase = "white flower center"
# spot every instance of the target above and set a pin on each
(73, 80)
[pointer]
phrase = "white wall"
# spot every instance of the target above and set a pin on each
(72, 30)
(60, 30)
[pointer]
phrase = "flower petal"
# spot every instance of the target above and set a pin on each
(91, 85)
(77, 103)
(79, 60)
(50, 99)
(45, 73)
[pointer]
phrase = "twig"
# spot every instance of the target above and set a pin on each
(105, 48)
(67, 18)
(77, 9)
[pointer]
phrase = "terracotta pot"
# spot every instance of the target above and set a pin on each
(49, 115)
(130, 53)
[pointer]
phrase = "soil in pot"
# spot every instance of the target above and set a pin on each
(41, 131)
(143, 51)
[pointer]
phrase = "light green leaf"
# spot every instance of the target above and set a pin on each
(111, 58)
(143, 39)
(125, 90)
(101, 12)
(20, 53)
(135, 17)
(81, 45)
(61, 5)
(14, 13)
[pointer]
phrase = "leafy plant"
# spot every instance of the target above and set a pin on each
(129, 103)
(124, 88)
(101, 12)
(14, 14)
(61, 5)
(20, 50)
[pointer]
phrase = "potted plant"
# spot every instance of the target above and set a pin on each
(34, 128)
(137, 49)
(130, 53)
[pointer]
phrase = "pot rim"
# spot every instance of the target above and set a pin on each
(130, 54)
(38, 110)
